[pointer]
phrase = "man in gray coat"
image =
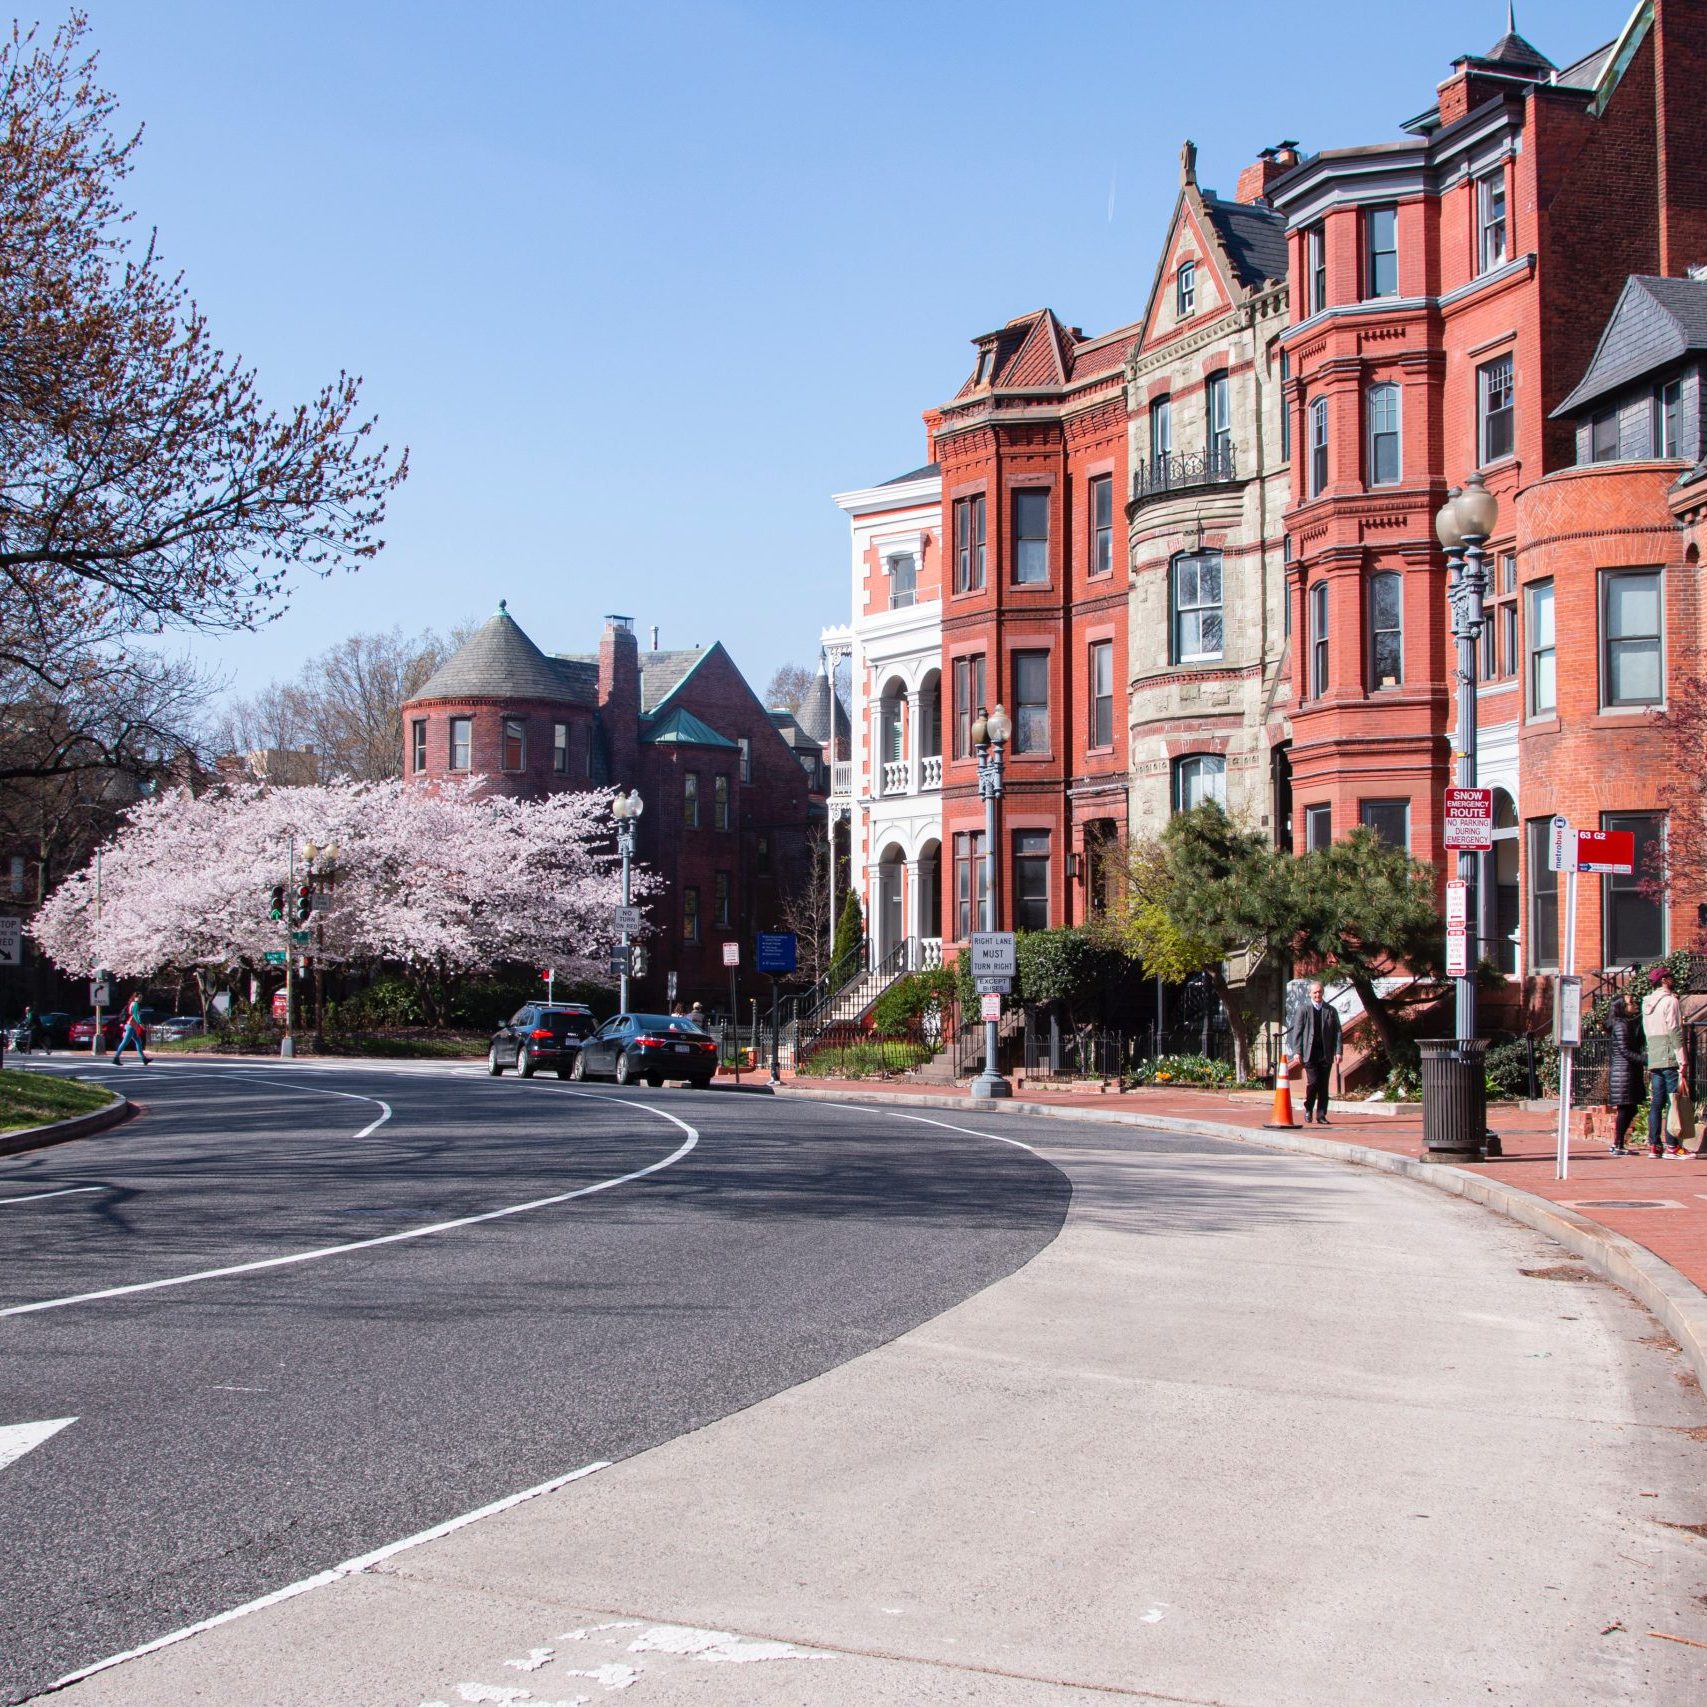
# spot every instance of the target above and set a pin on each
(1313, 1042)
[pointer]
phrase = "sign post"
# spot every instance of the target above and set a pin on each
(732, 959)
(776, 954)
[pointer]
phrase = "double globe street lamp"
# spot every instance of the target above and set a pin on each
(626, 809)
(990, 732)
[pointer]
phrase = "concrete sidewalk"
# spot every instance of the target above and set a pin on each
(1252, 1432)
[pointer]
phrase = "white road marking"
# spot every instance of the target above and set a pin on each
(37, 1196)
(349, 1568)
(386, 1238)
(925, 1120)
(18, 1438)
(321, 1091)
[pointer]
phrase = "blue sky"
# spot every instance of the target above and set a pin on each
(641, 284)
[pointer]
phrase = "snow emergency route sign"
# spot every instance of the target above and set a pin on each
(1469, 819)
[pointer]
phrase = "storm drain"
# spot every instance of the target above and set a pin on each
(1625, 1203)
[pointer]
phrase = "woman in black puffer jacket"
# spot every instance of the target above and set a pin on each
(1627, 1064)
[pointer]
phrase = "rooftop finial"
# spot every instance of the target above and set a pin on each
(503, 608)
(1188, 163)
(1511, 17)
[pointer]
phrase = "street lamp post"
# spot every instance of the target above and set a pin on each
(989, 736)
(626, 809)
(1463, 525)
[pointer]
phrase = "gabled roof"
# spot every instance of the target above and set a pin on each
(1040, 360)
(680, 728)
(1254, 238)
(662, 673)
(1657, 321)
(787, 725)
(498, 661)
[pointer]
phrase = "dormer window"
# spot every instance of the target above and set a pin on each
(986, 361)
(1185, 289)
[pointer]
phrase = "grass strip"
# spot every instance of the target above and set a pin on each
(37, 1099)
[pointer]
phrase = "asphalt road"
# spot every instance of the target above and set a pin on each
(627, 1266)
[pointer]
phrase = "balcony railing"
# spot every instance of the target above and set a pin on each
(898, 776)
(841, 779)
(930, 772)
(1180, 471)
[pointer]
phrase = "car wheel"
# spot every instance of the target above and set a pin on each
(565, 1072)
(524, 1063)
(700, 1084)
(578, 1067)
(624, 1072)
(492, 1066)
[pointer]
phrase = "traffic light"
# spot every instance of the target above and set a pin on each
(304, 902)
(639, 960)
(276, 910)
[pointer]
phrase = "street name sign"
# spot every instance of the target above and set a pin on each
(993, 955)
(776, 952)
(731, 954)
(11, 940)
(274, 957)
(1469, 819)
(626, 919)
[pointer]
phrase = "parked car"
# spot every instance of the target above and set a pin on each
(541, 1034)
(653, 1047)
(82, 1031)
(175, 1028)
(51, 1031)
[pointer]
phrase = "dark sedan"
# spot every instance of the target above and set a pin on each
(542, 1034)
(653, 1047)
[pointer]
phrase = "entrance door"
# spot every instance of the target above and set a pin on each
(891, 902)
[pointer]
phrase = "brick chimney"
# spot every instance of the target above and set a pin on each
(1270, 164)
(619, 698)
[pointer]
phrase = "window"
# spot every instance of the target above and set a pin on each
(560, 748)
(1499, 622)
(418, 744)
(1603, 437)
(1318, 827)
(1318, 640)
(720, 899)
(690, 915)
(1382, 454)
(1102, 524)
(1386, 630)
(1031, 536)
(1198, 778)
(969, 876)
(1031, 702)
(1197, 626)
(1217, 407)
(1031, 880)
(461, 743)
(15, 874)
(1318, 446)
(1495, 415)
(986, 360)
(1668, 417)
(1543, 953)
(1185, 289)
(1285, 406)
(1381, 251)
(515, 744)
(1543, 696)
(690, 800)
(1631, 672)
(1389, 819)
(1316, 266)
(1102, 693)
(903, 579)
(762, 855)
(968, 697)
(1635, 921)
(1161, 433)
(1490, 221)
(746, 747)
(969, 544)
(720, 802)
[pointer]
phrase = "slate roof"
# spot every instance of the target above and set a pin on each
(787, 725)
(1512, 53)
(498, 661)
(928, 472)
(661, 673)
(680, 728)
(1254, 238)
(1657, 321)
(822, 714)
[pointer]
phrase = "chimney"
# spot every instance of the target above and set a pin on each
(619, 698)
(654, 637)
(1270, 164)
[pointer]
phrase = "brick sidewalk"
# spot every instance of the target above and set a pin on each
(1675, 1231)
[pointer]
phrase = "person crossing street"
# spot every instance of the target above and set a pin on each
(133, 1031)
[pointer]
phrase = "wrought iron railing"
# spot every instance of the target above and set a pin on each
(1179, 471)
(849, 1002)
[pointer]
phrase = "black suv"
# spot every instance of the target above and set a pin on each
(542, 1034)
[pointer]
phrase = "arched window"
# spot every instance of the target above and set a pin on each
(1185, 289)
(1386, 630)
(1382, 456)
(1318, 640)
(1318, 446)
(1200, 777)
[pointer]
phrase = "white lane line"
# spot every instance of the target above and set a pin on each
(385, 1238)
(925, 1120)
(37, 1196)
(321, 1091)
(320, 1579)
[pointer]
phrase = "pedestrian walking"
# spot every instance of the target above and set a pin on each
(1662, 1027)
(29, 1028)
(132, 1031)
(696, 1015)
(1624, 1073)
(1314, 1042)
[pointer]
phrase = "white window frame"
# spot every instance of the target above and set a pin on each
(1374, 402)
(1493, 221)
(1318, 451)
(1538, 658)
(1197, 609)
(1210, 773)
(1485, 415)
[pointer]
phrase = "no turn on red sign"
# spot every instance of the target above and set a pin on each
(1469, 818)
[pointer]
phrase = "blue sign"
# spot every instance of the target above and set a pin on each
(776, 952)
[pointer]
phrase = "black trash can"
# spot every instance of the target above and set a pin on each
(1455, 1100)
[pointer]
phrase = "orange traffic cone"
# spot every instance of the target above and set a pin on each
(1282, 1115)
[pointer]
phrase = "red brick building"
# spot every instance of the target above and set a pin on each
(729, 798)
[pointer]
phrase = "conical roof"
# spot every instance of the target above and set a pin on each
(817, 708)
(1512, 53)
(500, 662)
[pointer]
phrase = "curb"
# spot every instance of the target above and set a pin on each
(59, 1131)
(1677, 1301)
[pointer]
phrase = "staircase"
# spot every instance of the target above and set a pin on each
(844, 1009)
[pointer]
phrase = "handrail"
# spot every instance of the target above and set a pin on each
(851, 1000)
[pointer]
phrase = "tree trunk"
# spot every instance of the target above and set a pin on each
(1238, 1023)
(1376, 1009)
